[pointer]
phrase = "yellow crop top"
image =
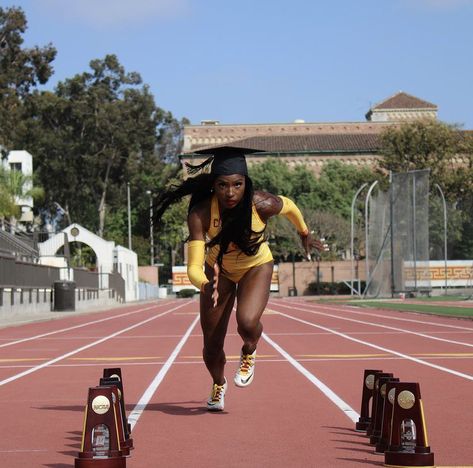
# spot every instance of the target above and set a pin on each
(235, 263)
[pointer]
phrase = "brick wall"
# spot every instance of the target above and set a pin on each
(306, 272)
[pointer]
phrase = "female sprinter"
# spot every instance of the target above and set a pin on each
(226, 221)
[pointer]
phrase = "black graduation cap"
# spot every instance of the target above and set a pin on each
(226, 160)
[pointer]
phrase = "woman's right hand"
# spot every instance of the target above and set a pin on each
(215, 284)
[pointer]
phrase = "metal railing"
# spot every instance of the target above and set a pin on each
(86, 278)
(16, 273)
(30, 280)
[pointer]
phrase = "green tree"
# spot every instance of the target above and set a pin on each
(336, 186)
(171, 235)
(48, 133)
(113, 120)
(272, 175)
(448, 153)
(8, 207)
(455, 220)
(21, 70)
(422, 144)
(99, 131)
(15, 185)
(325, 202)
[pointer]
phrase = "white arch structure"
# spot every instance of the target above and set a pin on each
(108, 256)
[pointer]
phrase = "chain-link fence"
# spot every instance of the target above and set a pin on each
(397, 237)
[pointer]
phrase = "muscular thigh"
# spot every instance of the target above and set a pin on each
(253, 293)
(214, 320)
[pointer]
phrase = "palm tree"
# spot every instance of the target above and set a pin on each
(14, 186)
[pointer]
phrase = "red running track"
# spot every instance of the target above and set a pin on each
(298, 412)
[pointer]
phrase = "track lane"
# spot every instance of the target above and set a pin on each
(80, 349)
(281, 420)
(411, 340)
(18, 331)
(7, 343)
(60, 339)
(461, 324)
(342, 313)
(445, 397)
(137, 411)
(58, 395)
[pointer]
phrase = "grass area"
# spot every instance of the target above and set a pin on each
(442, 298)
(465, 312)
(329, 299)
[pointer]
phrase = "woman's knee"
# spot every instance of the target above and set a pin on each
(249, 326)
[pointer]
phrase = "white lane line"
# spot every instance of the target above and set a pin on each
(90, 345)
(330, 394)
(137, 411)
(357, 311)
(62, 330)
(338, 317)
(94, 337)
(386, 350)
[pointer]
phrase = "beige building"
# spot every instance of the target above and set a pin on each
(313, 144)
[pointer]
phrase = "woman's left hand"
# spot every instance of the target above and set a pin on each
(309, 243)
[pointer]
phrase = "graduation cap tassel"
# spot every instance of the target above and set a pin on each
(191, 169)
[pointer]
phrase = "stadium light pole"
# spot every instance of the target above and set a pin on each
(352, 233)
(151, 239)
(444, 235)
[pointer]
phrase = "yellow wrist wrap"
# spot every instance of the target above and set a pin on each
(293, 214)
(195, 272)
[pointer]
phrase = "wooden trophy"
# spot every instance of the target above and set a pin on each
(100, 446)
(116, 372)
(374, 401)
(389, 393)
(368, 385)
(127, 440)
(124, 447)
(408, 445)
(380, 408)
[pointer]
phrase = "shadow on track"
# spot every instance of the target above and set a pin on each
(59, 465)
(182, 408)
(364, 461)
(346, 431)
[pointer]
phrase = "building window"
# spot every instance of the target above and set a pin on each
(15, 167)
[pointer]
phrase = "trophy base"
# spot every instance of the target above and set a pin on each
(375, 438)
(111, 462)
(380, 448)
(362, 425)
(404, 459)
(129, 443)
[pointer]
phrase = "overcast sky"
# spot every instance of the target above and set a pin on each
(261, 61)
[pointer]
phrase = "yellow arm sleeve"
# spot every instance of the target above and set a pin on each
(195, 272)
(293, 214)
